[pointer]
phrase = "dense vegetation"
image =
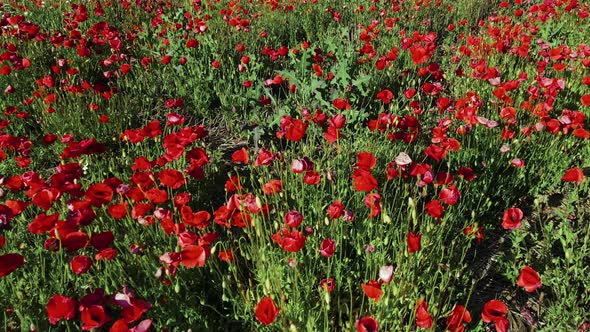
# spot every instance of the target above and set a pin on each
(294, 165)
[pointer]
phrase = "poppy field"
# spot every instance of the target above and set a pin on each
(294, 165)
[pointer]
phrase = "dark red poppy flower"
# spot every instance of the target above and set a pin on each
(301, 165)
(266, 311)
(45, 198)
(106, 253)
(423, 318)
(43, 223)
(573, 175)
(99, 194)
(102, 240)
(193, 256)
(328, 284)
(466, 173)
(512, 218)
(529, 279)
(80, 264)
(372, 290)
(385, 96)
(2, 241)
(341, 104)
(457, 318)
(93, 317)
(293, 219)
(59, 307)
(367, 324)
(75, 241)
(493, 311)
(413, 242)
(327, 248)
(9, 263)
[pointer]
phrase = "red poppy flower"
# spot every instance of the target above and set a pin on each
(199, 219)
(423, 318)
(457, 318)
(372, 289)
(291, 241)
(226, 255)
(273, 186)
(327, 248)
(266, 311)
(9, 263)
(93, 317)
(367, 324)
(240, 156)
(157, 196)
(413, 242)
(512, 218)
(365, 161)
(312, 178)
(265, 158)
(529, 279)
(434, 209)
(80, 264)
(171, 178)
(364, 181)
(118, 211)
(573, 175)
(295, 131)
(59, 307)
(449, 195)
(516, 162)
(373, 202)
(336, 209)
(193, 256)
